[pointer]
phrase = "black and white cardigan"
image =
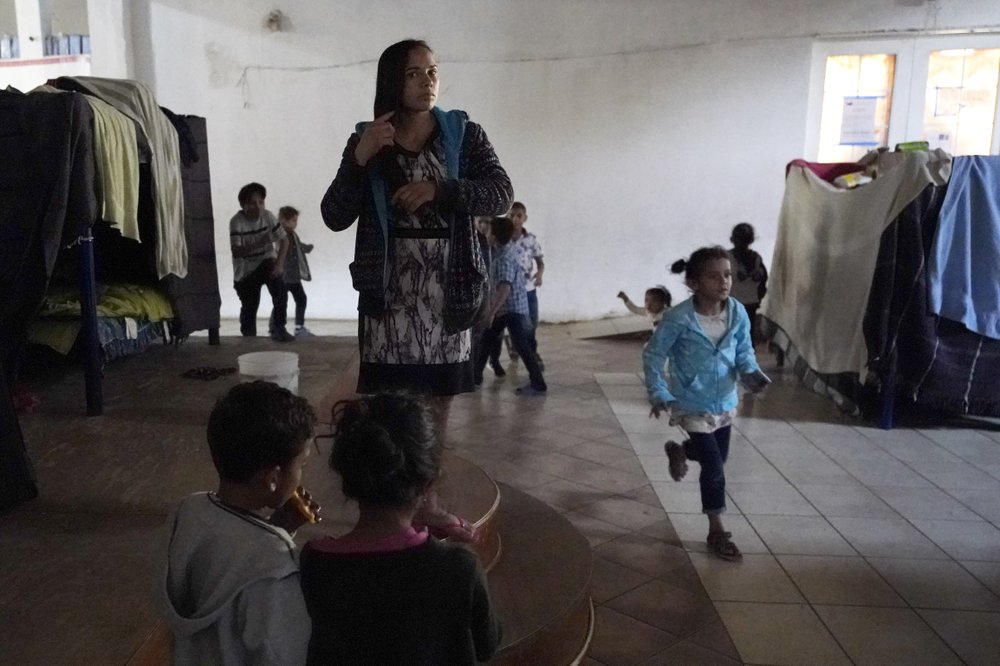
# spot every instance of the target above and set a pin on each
(481, 188)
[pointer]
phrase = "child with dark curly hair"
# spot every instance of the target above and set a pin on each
(388, 592)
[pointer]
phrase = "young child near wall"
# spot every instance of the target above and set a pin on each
(750, 274)
(657, 301)
(253, 234)
(707, 341)
(388, 592)
(509, 309)
(478, 331)
(228, 578)
(296, 267)
(531, 259)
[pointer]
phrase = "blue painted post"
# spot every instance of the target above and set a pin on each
(887, 401)
(88, 329)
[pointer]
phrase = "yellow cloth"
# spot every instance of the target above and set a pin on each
(113, 300)
(116, 154)
(59, 334)
(136, 101)
(58, 323)
(117, 157)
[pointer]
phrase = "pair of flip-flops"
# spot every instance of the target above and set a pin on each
(206, 373)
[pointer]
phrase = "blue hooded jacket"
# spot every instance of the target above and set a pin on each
(703, 376)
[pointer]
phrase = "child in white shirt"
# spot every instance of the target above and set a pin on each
(658, 300)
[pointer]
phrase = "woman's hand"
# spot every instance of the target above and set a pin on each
(412, 196)
(377, 135)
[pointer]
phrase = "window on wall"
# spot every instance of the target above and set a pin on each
(961, 103)
(855, 88)
(881, 92)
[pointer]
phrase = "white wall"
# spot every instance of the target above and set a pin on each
(8, 18)
(26, 77)
(109, 23)
(69, 16)
(634, 131)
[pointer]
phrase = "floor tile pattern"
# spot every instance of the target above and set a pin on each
(861, 545)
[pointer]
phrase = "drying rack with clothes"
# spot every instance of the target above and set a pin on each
(73, 216)
(884, 296)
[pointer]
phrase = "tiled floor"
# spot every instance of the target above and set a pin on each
(231, 327)
(587, 330)
(861, 546)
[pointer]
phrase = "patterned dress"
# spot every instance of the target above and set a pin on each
(412, 333)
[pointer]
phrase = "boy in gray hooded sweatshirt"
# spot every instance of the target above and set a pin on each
(228, 578)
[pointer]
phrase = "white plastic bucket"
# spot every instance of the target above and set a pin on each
(282, 368)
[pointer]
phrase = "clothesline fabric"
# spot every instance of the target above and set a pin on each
(47, 181)
(828, 171)
(825, 254)
(117, 156)
(116, 162)
(964, 266)
(136, 101)
(935, 362)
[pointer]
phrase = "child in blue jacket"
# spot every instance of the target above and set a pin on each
(707, 341)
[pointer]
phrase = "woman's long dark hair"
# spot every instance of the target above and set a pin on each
(391, 73)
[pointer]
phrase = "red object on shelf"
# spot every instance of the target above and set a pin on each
(26, 402)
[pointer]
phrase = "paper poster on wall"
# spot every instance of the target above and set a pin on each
(939, 139)
(857, 126)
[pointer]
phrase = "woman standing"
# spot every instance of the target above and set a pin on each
(415, 177)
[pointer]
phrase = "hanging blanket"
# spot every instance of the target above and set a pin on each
(46, 199)
(825, 254)
(136, 101)
(964, 275)
(828, 171)
(116, 156)
(936, 362)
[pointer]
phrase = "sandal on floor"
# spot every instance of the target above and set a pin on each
(678, 461)
(207, 373)
(720, 544)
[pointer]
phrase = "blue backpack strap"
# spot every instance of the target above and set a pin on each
(381, 208)
(452, 126)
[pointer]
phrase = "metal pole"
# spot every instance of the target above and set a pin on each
(88, 317)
